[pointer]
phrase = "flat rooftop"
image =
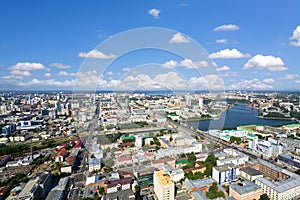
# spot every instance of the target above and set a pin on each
(164, 178)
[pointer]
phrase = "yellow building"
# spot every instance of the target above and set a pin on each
(164, 187)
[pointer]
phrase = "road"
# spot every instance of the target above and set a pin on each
(78, 179)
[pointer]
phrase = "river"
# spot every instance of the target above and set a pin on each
(237, 115)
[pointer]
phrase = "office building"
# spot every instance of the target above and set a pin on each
(225, 173)
(164, 187)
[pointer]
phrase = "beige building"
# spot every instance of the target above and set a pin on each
(245, 191)
(164, 187)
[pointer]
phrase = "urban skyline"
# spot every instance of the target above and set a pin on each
(253, 46)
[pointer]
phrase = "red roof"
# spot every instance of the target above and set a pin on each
(70, 160)
(125, 158)
(78, 143)
(62, 152)
(4, 190)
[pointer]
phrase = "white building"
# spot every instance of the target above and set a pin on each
(138, 141)
(265, 148)
(232, 157)
(94, 164)
(225, 173)
(164, 187)
(281, 190)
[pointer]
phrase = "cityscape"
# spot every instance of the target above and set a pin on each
(149, 100)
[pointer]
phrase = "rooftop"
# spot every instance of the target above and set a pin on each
(247, 187)
(225, 168)
(251, 171)
(164, 178)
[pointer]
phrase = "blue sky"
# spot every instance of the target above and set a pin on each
(255, 45)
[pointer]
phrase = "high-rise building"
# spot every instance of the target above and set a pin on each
(200, 103)
(188, 100)
(164, 187)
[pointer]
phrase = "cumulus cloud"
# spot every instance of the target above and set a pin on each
(228, 53)
(48, 75)
(227, 27)
(269, 62)
(64, 73)
(297, 81)
(169, 80)
(49, 82)
(20, 73)
(221, 41)
(126, 69)
(268, 80)
(96, 54)
(154, 12)
(295, 39)
(179, 38)
(290, 76)
(27, 66)
(254, 84)
(60, 65)
(224, 68)
(188, 63)
(212, 82)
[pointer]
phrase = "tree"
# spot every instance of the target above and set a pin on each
(209, 163)
(101, 191)
(213, 192)
(264, 197)
(136, 188)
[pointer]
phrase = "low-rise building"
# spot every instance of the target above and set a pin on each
(94, 164)
(246, 190)
(250, 174)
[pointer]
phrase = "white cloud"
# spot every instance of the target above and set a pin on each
(212, 82)
(227, 27)
(221, 41)
(184, 4)
(154, 12)
(64, 73)
(253, 84)
(188, 63)
(60, 66)
(96, 54)
(48, 75)
(268, 80)
(171, 64)
(224, 68)
(291, 76)
(179, 38)
(228, 53)
(229, 74)
(126, 69)
(295, 39)
(270, 62)
(27, 66)
(20, 73)
(110, 73)
(49, 82)
(297, 81)
(169, 80)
